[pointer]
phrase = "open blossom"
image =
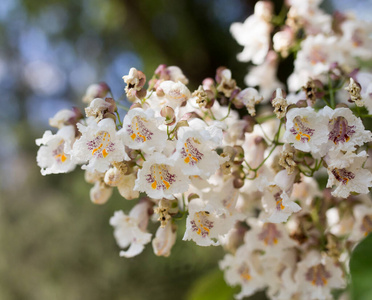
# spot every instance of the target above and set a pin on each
(264, 76)
(64, 117)
(100, 145)
(270, 237)
(256, 42)
(242, 269)
(130, 230)
(315, 57)
(276, 198)
(195, 153)
(175, 93)
(160, 178)
(54, 155)
(141, 130)
(345, 130)
(307, 130)
(316, 275)
(350, 176)
(204, 225)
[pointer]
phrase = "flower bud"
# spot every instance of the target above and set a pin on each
(99, 90)
(164, 240)
(100, 193)
(168, 113)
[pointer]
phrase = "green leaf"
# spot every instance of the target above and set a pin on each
(361, 270)
(211, 287)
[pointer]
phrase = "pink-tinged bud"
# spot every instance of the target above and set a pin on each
(219, 75)
(164, 240)
(168, 113)
(112, 108)
(250, 122)
(162, 71)
(135, 105)
(209, 85)
(109, 115)
(100, 193)
(99, 90)
(239, 154)
(160, 92)
(141, 93)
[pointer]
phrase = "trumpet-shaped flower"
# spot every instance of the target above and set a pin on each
(141, 130)
(54, 156)
(100, 145)
(160, 177)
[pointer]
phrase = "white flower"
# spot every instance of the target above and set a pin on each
(345, 130)
(95, 91)
(315, 57)
(250, 97)
(276, 198)
(362, 225)
(270, 237)
(160, 177)
(176, 74)
(54, 156)
(204, 225)
(141, 130)
(307, 130)
(194, 151)
(350, 177)
(164, 240)
(256, 42)
(62, 117)
(99, 145)
(317, 275)
(243, 269)
(264, 76)
(130, 230)
(175, 93)
(356, 37)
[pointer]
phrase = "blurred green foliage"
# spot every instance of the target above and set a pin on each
(361, 270)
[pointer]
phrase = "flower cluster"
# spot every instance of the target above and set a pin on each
(283, 189)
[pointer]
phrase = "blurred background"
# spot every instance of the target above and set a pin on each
(54, 243)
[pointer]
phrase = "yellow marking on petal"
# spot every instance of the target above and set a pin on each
(104, 153)
(133, 136)
(187, 160)
(281, 205)
(194, 158)
(94, 151)
(347, 138)
(154, 185)
(275, 241)
(298, 137)
(199, 231)
(307, 136)
(246, 276)
(167, 185)
(63, 158)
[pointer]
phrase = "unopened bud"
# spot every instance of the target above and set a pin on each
(100, 193)
(168, 113)
(164, 240)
